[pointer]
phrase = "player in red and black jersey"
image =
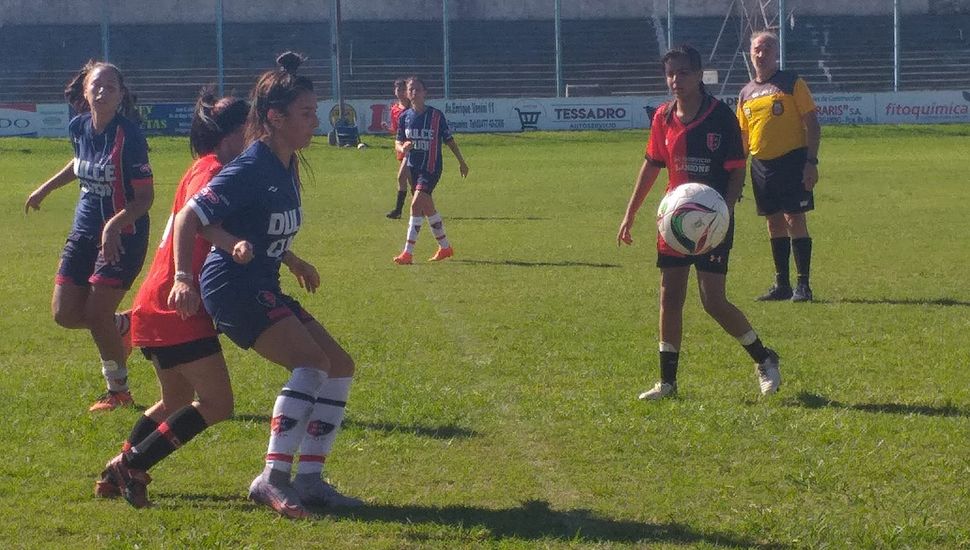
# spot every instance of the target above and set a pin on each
(402, 103)
(185, 352)
(697, 138)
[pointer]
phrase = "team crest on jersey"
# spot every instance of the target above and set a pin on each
(266, 298)
(713, 141)
(282, 423)
(317, 428)
(144, 169)
(777, 107)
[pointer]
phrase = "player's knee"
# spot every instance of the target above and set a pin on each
(342, 366)
(69, 319)
(216, 409)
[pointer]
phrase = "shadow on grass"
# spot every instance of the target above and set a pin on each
(447, 431)
(816, 401)
(498, 218)
(534, 520)
(515, 263)
(945, 302)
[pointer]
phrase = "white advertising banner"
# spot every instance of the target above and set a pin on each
(32, 119)
(845, 108)
(922, 107)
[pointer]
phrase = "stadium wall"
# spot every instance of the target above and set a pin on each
(67, 12)
(518, 115)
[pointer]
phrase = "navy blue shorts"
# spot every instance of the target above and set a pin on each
(424, 181)
(180, 354)
(82, 263)
(243, 313)
(778, 185)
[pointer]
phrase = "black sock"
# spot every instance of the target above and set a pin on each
(177, 430)
(142, 429)
(668, 366)
(757, 350)
(401, 195)
(803, 257)
(780, 251)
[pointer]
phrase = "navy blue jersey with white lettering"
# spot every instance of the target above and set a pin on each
(428, 131)
(109, 166)
(255, 198)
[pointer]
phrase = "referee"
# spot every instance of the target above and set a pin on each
(778, 122)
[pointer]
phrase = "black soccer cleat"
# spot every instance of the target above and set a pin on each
(394, 215)
(802, 293)
(776, 293)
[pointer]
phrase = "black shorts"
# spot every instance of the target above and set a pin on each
(180, 354)
(713, 261)
(82, 263)
(778, 185)
(424, 181)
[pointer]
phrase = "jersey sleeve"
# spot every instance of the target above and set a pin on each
(444, 131)
(136, 160)
(231, 190)
(656, 153)
(734, 144)
(803, 98)
(400, 128)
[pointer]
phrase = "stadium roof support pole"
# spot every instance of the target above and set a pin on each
(781, 34)
(220, 65)
(446, 46)
(895, 45)
(335, 56)
(105, 30)
(558, 48)
(670, 24)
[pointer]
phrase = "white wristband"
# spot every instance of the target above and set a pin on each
(185, 277)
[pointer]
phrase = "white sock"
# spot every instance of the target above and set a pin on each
(438, 228)
(115, 375)
(325, 421)
(290, 414)
(414, 228)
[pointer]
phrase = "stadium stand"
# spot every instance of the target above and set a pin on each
(488, 58)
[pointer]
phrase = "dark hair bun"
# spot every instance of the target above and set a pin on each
(290, 61)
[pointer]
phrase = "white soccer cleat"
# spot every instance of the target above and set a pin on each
(659, 391)
(769, 377)
(315, 491)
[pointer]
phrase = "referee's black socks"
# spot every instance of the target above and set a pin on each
(802, 249)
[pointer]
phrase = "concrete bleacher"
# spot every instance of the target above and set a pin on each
(488, 58)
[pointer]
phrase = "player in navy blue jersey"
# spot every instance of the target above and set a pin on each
(697, 138)
(106, 247)
(420, 132)
(256, 198)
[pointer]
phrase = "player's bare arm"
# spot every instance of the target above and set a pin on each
(136, 208)
(735, 185)
(645, 180)
(813, 138)
(462, 165)
(60, 179)
(184, 296)
(241, 250)
(306, 274)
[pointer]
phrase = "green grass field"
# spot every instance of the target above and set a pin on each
(495, 398)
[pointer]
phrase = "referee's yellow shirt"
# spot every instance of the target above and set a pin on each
(770, 114)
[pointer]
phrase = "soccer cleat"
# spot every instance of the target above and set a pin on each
(769, 377)
(394, 215)
(802, 293)
(404, 258)
(316, 491)
(281, 498)
(132, 483)
(776, 293)
(111, 400)
(659, 391)
(123, 323)
(105, 487)
(442, 254)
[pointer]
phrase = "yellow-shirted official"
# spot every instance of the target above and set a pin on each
(776, 113)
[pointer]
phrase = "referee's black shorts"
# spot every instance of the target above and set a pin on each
(778, 185)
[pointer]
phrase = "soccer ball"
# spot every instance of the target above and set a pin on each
(362, 145)
(693, 218)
